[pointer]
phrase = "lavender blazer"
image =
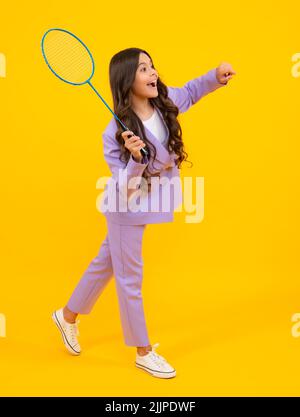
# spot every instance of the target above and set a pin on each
(144, 207)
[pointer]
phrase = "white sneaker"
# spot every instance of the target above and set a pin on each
(155, 364)
(69, 332)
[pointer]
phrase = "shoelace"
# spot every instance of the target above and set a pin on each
(74, 329)
(160, 360)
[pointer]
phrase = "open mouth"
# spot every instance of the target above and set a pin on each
(153, 84)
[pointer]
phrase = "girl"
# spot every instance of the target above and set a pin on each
(148, 107)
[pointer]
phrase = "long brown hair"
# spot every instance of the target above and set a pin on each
(122, 70)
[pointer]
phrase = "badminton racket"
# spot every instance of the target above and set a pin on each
(72, 62)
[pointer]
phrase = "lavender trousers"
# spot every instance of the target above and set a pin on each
(120, 255)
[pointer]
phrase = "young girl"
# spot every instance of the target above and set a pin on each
(147, 107)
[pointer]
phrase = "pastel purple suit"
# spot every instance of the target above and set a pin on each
(121, 251)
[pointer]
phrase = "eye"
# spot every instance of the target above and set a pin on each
(152, 66)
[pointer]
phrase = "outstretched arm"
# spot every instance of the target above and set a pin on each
(199, 87)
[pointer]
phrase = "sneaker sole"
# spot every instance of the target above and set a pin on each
(164, 375)
(66, 343)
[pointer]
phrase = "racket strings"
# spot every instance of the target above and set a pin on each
(67, 57)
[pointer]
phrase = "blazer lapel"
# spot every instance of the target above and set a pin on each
(162, 154)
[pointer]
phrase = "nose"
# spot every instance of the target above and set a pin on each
(155, 72)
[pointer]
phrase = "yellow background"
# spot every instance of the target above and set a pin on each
(218, 295)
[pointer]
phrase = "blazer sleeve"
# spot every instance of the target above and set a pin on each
(184, 97)
(121, 172)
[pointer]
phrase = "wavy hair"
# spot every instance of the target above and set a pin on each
(122, 70)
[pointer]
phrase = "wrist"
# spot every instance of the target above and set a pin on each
(137, 158)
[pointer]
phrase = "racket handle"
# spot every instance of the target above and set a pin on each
(143, 151)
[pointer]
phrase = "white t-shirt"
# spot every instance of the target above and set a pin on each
(156, 126)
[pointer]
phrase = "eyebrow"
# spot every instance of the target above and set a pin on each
(144, 63)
